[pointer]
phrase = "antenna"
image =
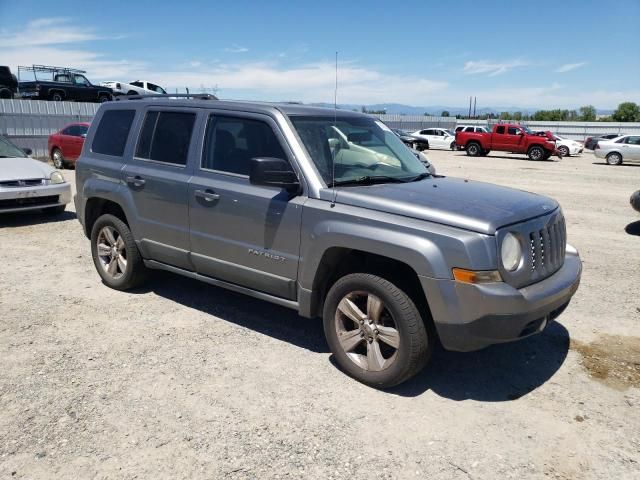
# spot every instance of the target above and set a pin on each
(335, 120)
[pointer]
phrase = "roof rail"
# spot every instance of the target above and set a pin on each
(47, 68)
(198, 96)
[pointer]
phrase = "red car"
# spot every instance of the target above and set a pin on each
(508, 137)
(65, 145)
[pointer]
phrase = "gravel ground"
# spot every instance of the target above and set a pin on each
(184, 380)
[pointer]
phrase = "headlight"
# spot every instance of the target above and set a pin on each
(511, 252)
(56, 177)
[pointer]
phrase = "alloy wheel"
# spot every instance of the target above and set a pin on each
(112, 252)
(366, 331)
(57, 159)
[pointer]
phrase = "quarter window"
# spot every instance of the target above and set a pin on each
(113, 130)
(231, 142)
(165, 137)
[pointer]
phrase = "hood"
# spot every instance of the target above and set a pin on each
(477, 206)
(16, 168)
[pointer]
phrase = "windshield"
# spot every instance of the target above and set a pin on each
(361, 148)
(526, 130)
(450, 133)
(8, 149)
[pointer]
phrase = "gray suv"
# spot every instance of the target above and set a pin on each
(325, 212)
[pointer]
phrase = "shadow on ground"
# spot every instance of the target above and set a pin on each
(35, 217)
(498, 373)
(603, 163)
(633, 228)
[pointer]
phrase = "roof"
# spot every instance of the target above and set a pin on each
(252, 106)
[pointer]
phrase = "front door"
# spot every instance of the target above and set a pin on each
(513, 139)
(631, 148)
(244, 234)
(158, 179)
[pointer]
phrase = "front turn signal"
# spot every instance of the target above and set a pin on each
(471, 276)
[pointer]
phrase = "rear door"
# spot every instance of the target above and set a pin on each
(157, 177)
(244, 234)
(631, 148)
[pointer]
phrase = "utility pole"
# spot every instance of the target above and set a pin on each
(474, 106)
(469, 108)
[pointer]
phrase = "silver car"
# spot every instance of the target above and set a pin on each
(619, 150)
(28, 184)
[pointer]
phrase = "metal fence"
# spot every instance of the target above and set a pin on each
(28, 123)
(416, 122)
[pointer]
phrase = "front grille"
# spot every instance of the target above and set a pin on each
(28, 201)
(31, 182)
(547, 249)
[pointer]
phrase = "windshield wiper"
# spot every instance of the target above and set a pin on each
(368, 180)
(419, 177)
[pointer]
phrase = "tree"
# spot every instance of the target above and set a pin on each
(588, 113)
(444, 113)
(627, 112)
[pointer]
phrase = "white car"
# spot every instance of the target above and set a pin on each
(438, 137)
(619, 150)
(139, 87)
(471, 128)
(29, 184)
(567, 147)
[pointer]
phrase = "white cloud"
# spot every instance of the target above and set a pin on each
(567, 67)
(236, 49)
(48, 31)
(491, 68)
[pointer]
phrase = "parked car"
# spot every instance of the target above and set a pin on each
(507, 138)
(471, 128)
(635, 201)
(8, 83)
(62, 84)
(65, 145)
(411, 141)
(28, 184)
(591, 142)
(437, 137)
(619, 150)
(268, 200)
(567, 147)
(139, 87)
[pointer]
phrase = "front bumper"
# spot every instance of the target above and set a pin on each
(473, 316)
(18, 199)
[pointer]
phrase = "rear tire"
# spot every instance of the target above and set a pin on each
(115, 254)
(614, 158)
(536, 153)
(56, 97)
(104, 98)
(5, 93)
(57, 159)
(452, 146)
(375, 331)
(473, 149)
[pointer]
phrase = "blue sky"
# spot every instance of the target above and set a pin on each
(534, 54)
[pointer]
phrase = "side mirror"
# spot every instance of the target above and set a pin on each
(273, 172)
(27, 151)
(83, 135)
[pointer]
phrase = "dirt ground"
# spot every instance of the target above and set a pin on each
(185, 380)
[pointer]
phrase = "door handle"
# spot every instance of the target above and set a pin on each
(136, 181)
(207, 195)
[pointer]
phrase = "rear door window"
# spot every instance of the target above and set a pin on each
(500, 130)
(113, 130)
(165, 137)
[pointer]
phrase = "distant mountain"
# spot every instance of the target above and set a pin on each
(400, 109)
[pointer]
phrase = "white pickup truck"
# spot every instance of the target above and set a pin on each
(139, 87)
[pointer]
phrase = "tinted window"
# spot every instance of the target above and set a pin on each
(165, 137)
(513, 131)
(633, 140)
(76, 130)
(112, 133)
(67, 131)
(500, 130)
(137, 84)
(231, 142)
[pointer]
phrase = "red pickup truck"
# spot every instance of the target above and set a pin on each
(507, 137)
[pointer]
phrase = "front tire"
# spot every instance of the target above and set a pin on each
(564, 151)
(614, 158)
(57, 159)
(56, 97)
(115, 254)
(536, 153)
(375, 331)
(473, 149)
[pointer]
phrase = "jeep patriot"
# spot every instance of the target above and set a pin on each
(326, 212)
